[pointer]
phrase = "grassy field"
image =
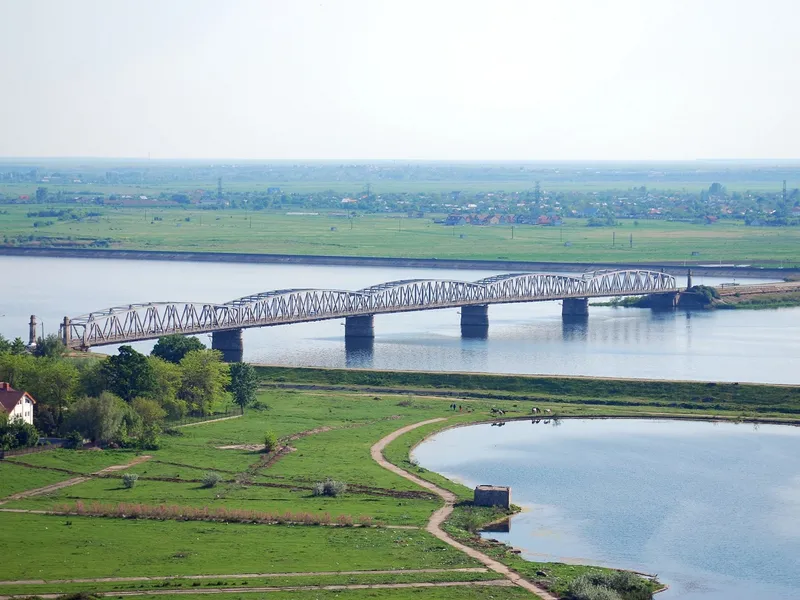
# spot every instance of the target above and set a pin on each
(398, 236)
(331, 435)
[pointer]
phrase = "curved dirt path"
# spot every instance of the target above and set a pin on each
(436, 520)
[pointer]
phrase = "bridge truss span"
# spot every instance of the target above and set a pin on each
(135, 322)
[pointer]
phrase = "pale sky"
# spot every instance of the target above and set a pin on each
(406, 79)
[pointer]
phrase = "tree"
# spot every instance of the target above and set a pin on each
(41, 195)
(16, 433)
(168, 382)
(52, 382)
(129, 374)
(18, 346)
(50, 347)
(99, 419)
(5, 345)
(150, 411)
(204, 378)
(244, 383)
(174, 347)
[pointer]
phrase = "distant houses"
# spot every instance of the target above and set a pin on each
(496, 219)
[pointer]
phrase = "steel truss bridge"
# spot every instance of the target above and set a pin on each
(135, 322)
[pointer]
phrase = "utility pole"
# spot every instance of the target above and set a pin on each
(613, 238)
(512, 232)
(631, 240)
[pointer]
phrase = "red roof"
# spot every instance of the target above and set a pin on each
(9, 397)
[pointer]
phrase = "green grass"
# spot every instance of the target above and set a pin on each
(461, 592)
(381, 235)
(81, 547)
(82, 462)
(247, 582)
(734, 397)
(16, 478)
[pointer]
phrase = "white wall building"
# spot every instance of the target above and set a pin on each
(18, 405)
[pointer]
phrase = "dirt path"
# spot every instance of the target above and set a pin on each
(436, 520)
(295, 588)
(53, 487)
(241, 576)
(209, 421)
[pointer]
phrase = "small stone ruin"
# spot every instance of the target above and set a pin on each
(493, 495)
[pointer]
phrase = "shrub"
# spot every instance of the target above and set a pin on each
(74, 440)
(617, 585)
(211, 479)
(270, 441)
(329, 487)
(129, 480)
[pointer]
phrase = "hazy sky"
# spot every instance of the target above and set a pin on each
(431, 79)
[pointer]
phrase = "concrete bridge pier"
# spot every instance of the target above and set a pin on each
(575, 308)
(228, 342)
(359, 327)
(475, 321)
(668, 301)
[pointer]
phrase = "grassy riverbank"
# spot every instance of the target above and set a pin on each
(576, 392)
(327, 433)
(190, 229)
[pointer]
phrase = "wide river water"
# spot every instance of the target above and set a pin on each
(712, 508)
(757, 346)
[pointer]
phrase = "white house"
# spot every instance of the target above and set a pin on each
(18, 405)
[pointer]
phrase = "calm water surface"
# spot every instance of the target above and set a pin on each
(713, 509)
(761, 346)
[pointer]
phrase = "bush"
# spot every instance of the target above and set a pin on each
(329, 487)
(617, 585)
(270, 441)
(129, 480)
(73, 440)
(211, 479)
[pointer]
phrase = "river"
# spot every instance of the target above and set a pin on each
(755, 346)
(712, 508)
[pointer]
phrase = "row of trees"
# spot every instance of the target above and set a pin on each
(126, 396)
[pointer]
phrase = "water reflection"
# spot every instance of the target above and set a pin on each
(575, 329)
(503, 526)
(359, 352)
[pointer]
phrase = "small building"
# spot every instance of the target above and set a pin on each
(492, 495)
(18, 405)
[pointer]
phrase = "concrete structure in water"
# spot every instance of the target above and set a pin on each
(492, 495)
(359, 327)
(575, 307)
(230, 343)
(475, 321)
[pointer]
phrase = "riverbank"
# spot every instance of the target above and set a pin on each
(726, 297)
(739, 399)
(673, 268)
